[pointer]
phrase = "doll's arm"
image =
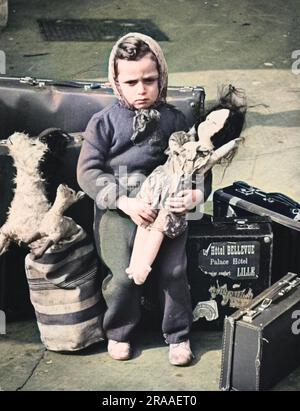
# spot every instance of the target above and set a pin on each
(222, 152)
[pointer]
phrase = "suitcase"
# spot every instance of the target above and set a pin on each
(261, 345)
(242, 200)
(33, 105)
(229, 263)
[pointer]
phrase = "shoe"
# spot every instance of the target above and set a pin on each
(180, 353)
(119, 350)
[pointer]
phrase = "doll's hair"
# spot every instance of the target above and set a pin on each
(234, 100)
(132, 49)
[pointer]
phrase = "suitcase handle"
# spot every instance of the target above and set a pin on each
(246, 189)
(243, 187)
(284, 287)
(282, 198)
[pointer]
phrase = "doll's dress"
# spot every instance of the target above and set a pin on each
(185, 159)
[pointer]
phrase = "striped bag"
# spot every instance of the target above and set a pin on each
(65, 292)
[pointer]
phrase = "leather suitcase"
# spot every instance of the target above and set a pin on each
(261, 345)
(32, 105)
(242, 200)
(229, 264)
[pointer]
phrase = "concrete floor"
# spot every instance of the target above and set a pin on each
(247, 43)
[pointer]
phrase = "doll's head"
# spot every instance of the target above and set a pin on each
(225, 120)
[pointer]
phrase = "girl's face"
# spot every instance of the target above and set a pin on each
(138, 81)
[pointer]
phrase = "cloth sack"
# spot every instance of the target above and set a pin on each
(65, 291)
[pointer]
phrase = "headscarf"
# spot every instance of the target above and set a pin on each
(144, 116)
(158, 53)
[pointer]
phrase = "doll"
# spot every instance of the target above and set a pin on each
(189, 154)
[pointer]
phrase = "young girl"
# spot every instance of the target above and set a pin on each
(217, 138)
(133, 134)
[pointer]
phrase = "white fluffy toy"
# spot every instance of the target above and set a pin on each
(31, 217)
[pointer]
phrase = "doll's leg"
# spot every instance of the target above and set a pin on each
(145, 249)
(140, 239)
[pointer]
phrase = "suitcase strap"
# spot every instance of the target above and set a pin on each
(284, 287)
(33, 81)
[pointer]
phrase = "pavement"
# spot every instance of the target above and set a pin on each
(251, 44)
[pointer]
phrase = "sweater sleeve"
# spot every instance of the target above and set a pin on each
(102, 187)
(181, 123)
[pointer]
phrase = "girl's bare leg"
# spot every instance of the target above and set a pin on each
(145, 249)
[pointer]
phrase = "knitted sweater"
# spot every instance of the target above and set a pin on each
(108, 152)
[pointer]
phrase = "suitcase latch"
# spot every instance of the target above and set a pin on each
(29, 80)
(251, 314)
(246, 191)
(32, 81)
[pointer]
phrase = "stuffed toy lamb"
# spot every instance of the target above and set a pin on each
(31, 216)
